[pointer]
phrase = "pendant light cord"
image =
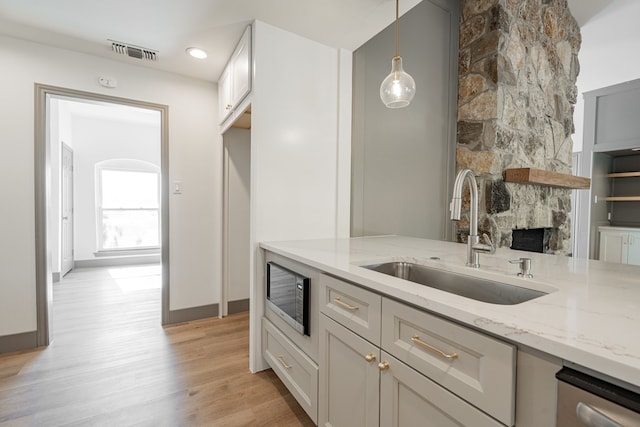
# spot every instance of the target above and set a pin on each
(397, 7)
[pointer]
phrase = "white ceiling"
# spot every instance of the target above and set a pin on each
(585, 10)
(170, 26)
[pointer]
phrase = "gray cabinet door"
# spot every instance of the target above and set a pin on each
(349, 378)
(481, 371)
(409, 399)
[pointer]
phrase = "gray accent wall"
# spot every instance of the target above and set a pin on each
(403, 159)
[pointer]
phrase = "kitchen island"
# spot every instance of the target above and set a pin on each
(415, 352)
(590, 316)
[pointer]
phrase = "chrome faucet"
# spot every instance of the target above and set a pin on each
(474, 247)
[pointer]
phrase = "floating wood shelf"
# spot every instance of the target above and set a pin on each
(623, 174)
(622, 199)
(543, 177)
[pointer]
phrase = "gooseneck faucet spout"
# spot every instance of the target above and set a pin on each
(474, 247)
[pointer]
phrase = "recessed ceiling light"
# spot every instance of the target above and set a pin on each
(196, 53)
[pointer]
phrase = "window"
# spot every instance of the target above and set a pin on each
(128, 205)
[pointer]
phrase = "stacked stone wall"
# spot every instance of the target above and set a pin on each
(518, 65)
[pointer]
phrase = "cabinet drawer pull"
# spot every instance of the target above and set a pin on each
(370, 357)
(345, 305)
(285, 364)
(416, 339)
(383, 366)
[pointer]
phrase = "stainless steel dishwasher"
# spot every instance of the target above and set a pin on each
(585, 401)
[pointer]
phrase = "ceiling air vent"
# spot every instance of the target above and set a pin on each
(133, 51)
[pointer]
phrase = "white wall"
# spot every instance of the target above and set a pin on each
(608, 55)
(195, 159)
(96, 140)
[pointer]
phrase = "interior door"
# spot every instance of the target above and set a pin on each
(67, 210)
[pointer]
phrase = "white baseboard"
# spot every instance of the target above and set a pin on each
(117, 261)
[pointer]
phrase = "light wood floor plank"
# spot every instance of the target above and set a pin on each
(112, 364)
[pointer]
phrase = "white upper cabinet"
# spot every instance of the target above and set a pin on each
(241, 60)
(224, 93)
(235, 82)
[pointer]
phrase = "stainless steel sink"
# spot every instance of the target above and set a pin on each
(465, 286)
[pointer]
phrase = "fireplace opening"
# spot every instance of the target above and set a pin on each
(532, 239)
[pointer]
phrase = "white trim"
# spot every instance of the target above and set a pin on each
(118, 261)
(127, 252)
(343, 161)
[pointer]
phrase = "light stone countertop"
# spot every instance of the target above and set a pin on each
(590, 318)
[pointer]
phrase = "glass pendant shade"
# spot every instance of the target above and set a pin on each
(398, 89)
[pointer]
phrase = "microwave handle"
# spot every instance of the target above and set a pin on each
(591, 417)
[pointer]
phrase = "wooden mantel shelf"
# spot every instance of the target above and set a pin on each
(543, 177)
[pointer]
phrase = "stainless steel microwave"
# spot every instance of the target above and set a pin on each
(288, 296)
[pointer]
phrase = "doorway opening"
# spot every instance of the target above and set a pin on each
(236, 271)
(101, 167)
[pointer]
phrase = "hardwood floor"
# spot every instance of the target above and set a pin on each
(112, 364)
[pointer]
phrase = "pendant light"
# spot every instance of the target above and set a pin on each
(398, 89)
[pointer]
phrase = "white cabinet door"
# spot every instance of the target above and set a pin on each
(224, 94)
(613, 246)
(409, 399)
(241, 65)
(349, 379)
(235, 82)
(633, 248)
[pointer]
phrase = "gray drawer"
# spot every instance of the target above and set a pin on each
(293, 367)
(356, 308)
(478, 368)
